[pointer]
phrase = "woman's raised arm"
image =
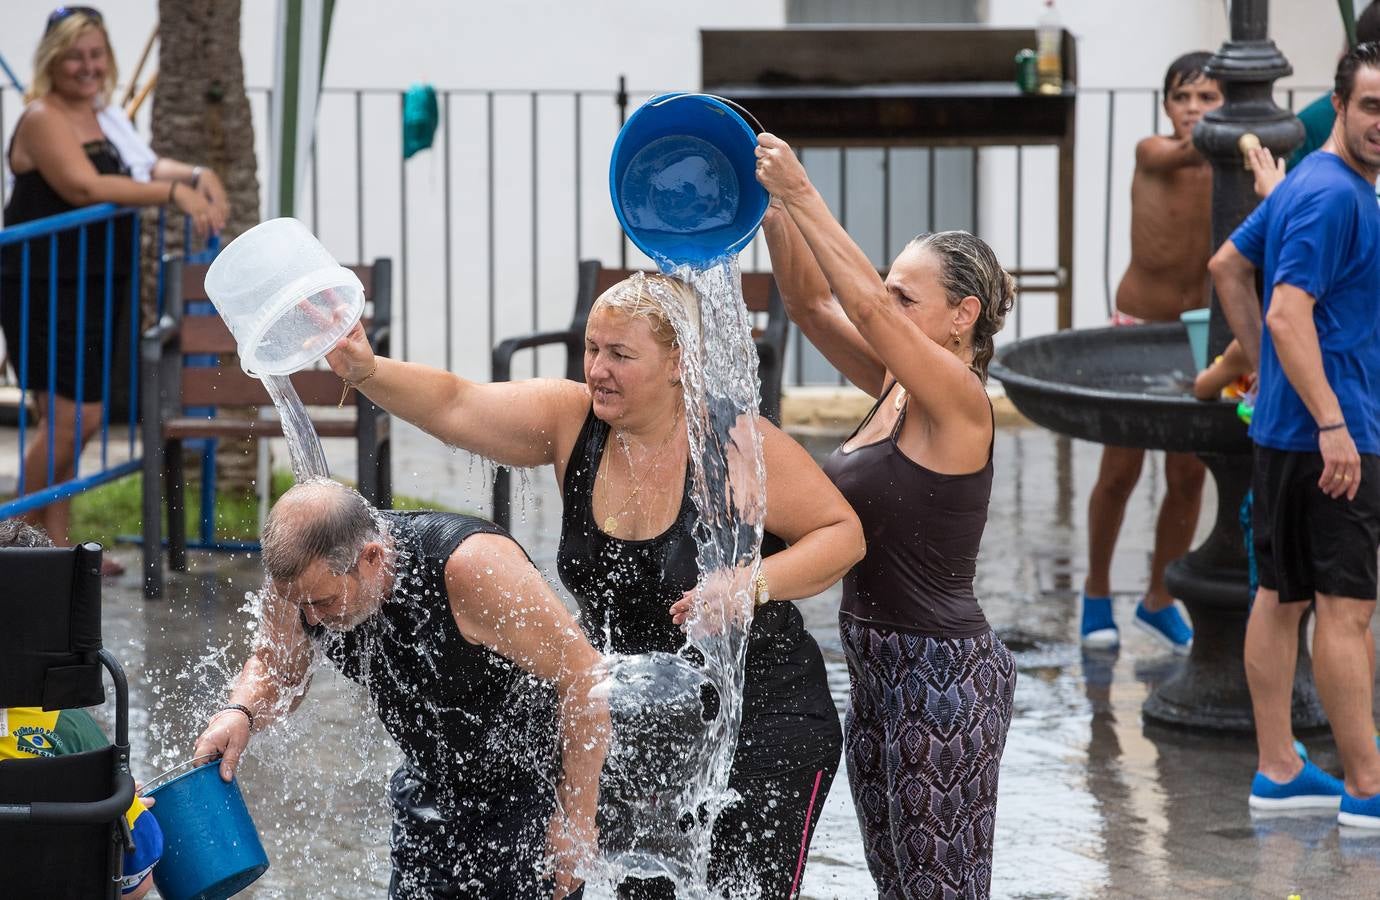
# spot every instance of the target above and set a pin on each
(811, 304)
(515, 423)
(934, 377)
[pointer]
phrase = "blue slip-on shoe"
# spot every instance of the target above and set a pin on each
(1311, 788)
(1166, 626)
(1356, 813)
(1098, 630)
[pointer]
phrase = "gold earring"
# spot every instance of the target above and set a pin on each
(957, 341)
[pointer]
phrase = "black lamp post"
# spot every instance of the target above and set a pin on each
(1211, 690)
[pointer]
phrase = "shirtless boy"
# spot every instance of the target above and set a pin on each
(1171, 242)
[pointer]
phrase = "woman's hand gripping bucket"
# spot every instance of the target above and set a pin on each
(283, 296)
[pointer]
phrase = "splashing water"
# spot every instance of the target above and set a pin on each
(663, 700)
(304, 447)
(659, 806)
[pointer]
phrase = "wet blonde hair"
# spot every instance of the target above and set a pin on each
(57, 42)
(661, 301)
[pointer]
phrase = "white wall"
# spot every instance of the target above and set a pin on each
(453, 43)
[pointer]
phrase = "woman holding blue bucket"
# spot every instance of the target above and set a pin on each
(619, 449)
(931, 684)
(617, 446)
(71, 148)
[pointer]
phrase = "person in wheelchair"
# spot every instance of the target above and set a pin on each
(29, 732)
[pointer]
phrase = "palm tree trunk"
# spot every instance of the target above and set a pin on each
(201, 115)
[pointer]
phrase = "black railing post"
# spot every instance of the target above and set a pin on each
(622, 100)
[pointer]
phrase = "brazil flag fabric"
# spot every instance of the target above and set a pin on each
(27, 732)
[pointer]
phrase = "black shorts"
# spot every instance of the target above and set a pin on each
(1307, 543)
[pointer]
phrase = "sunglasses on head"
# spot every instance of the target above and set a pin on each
(65, 12)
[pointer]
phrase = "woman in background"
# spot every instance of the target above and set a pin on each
(71, 148)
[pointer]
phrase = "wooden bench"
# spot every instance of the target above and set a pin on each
(181, 400)
(759, 294)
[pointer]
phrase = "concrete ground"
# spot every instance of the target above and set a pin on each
(1093, 802)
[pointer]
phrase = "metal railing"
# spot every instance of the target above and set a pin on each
(487, 227)
(45, 266)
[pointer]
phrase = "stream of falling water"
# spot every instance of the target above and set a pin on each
(667, 829)
(304, 447)
(672, 826)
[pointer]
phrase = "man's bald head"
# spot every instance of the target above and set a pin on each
(319, 519)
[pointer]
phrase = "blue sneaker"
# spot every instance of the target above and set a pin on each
(1166, 626)
(1098, 630)
(1359, 813)
(1312, 788)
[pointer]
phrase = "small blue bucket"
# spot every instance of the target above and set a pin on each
(683, 179)
(1196, 321)
(211, 849)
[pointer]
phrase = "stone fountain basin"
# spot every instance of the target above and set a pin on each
(1129, 387)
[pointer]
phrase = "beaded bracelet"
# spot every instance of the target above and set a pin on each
(237, 707)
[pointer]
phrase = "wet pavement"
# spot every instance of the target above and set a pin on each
(1093, 803)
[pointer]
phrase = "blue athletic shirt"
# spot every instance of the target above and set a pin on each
(1319, 231)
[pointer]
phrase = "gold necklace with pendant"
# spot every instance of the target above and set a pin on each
(611, 521)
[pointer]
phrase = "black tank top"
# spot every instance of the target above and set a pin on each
(625, 590)
(33, 198)
(463, 715)
(923, 530)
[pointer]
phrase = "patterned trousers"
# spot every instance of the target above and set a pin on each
(925, 731)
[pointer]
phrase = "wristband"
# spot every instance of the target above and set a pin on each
(196, 176)
(237, 707)
(1333, 427)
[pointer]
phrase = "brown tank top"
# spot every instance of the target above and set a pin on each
(923, 530)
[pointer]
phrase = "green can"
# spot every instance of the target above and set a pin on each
(1025, 71)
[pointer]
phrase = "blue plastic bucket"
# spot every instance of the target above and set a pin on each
(1196, 321)
(683, 180)
(211, 849)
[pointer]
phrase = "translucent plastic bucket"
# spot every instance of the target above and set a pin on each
(1196, 321)
(682, 177)
(211, 849)
(285, 299)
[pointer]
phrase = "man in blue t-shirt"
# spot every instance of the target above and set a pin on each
(1316, 429)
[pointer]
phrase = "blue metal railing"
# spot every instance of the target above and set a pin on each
(70, 269)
